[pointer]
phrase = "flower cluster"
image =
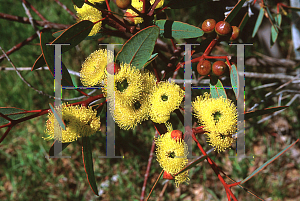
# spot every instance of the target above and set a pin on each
(219, 118)
(87, 12)
(131, 91)
(80, 122)
(172, 156)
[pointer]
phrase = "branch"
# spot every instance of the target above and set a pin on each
(33, 24)
(66, 9)
(35, 10)
(25, 20)
(18, 46)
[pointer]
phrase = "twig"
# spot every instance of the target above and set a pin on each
(267, 75)
(277, 112)
(33, 24)
(148, 168)
(66, 9)
(152, 7)
(35, 10)
(18, 46)
(25, 20)
(269, 61)
(46, 68)
(17, 71)
(3, 68)
(163, 190)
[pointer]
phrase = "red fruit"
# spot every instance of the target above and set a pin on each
(235, 33)
(112, 68)
(223, 28)
(204, 67)
(167, 176)
(123, 4)
(219, 68)
(176, 134)
(208, 25)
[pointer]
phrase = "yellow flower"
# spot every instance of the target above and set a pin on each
(219, 142)
(219, 118)
(217, 115)
(172, 156)
(165, 98)
(160, 4)
(128, 113)
(93, 70)
(139, 6)
(127, 84)
(87, 12)
(80, 122)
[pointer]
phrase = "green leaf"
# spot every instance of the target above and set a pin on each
(234, 11)
(278, 19)
(217, 90)
(153, 56)
(67, 80)
(78, 3)
(40, 62)
(58, 33)
(234, 78)
(138, 49)
(268, 162)
(256, 113)
(156, 182)
(48, 54)
(74, 35)
(88, 163)
(270, 15)
(192, 164)
(178, 30)
(57, 117)
(57, 143)
(258, 21)
(274, 34)
(47, 50)
(11, 113)
(274, 28)
(178, 4)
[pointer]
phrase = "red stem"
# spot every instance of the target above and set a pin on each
(152, 9)
(174, 46)
(107, 4)
(215, 169)
(144, 6)
(148, 168)
(5, 134)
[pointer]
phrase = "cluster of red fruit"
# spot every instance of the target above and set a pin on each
(218, 68)
(222, 28)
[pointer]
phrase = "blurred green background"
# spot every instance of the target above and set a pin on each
(25, 173)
